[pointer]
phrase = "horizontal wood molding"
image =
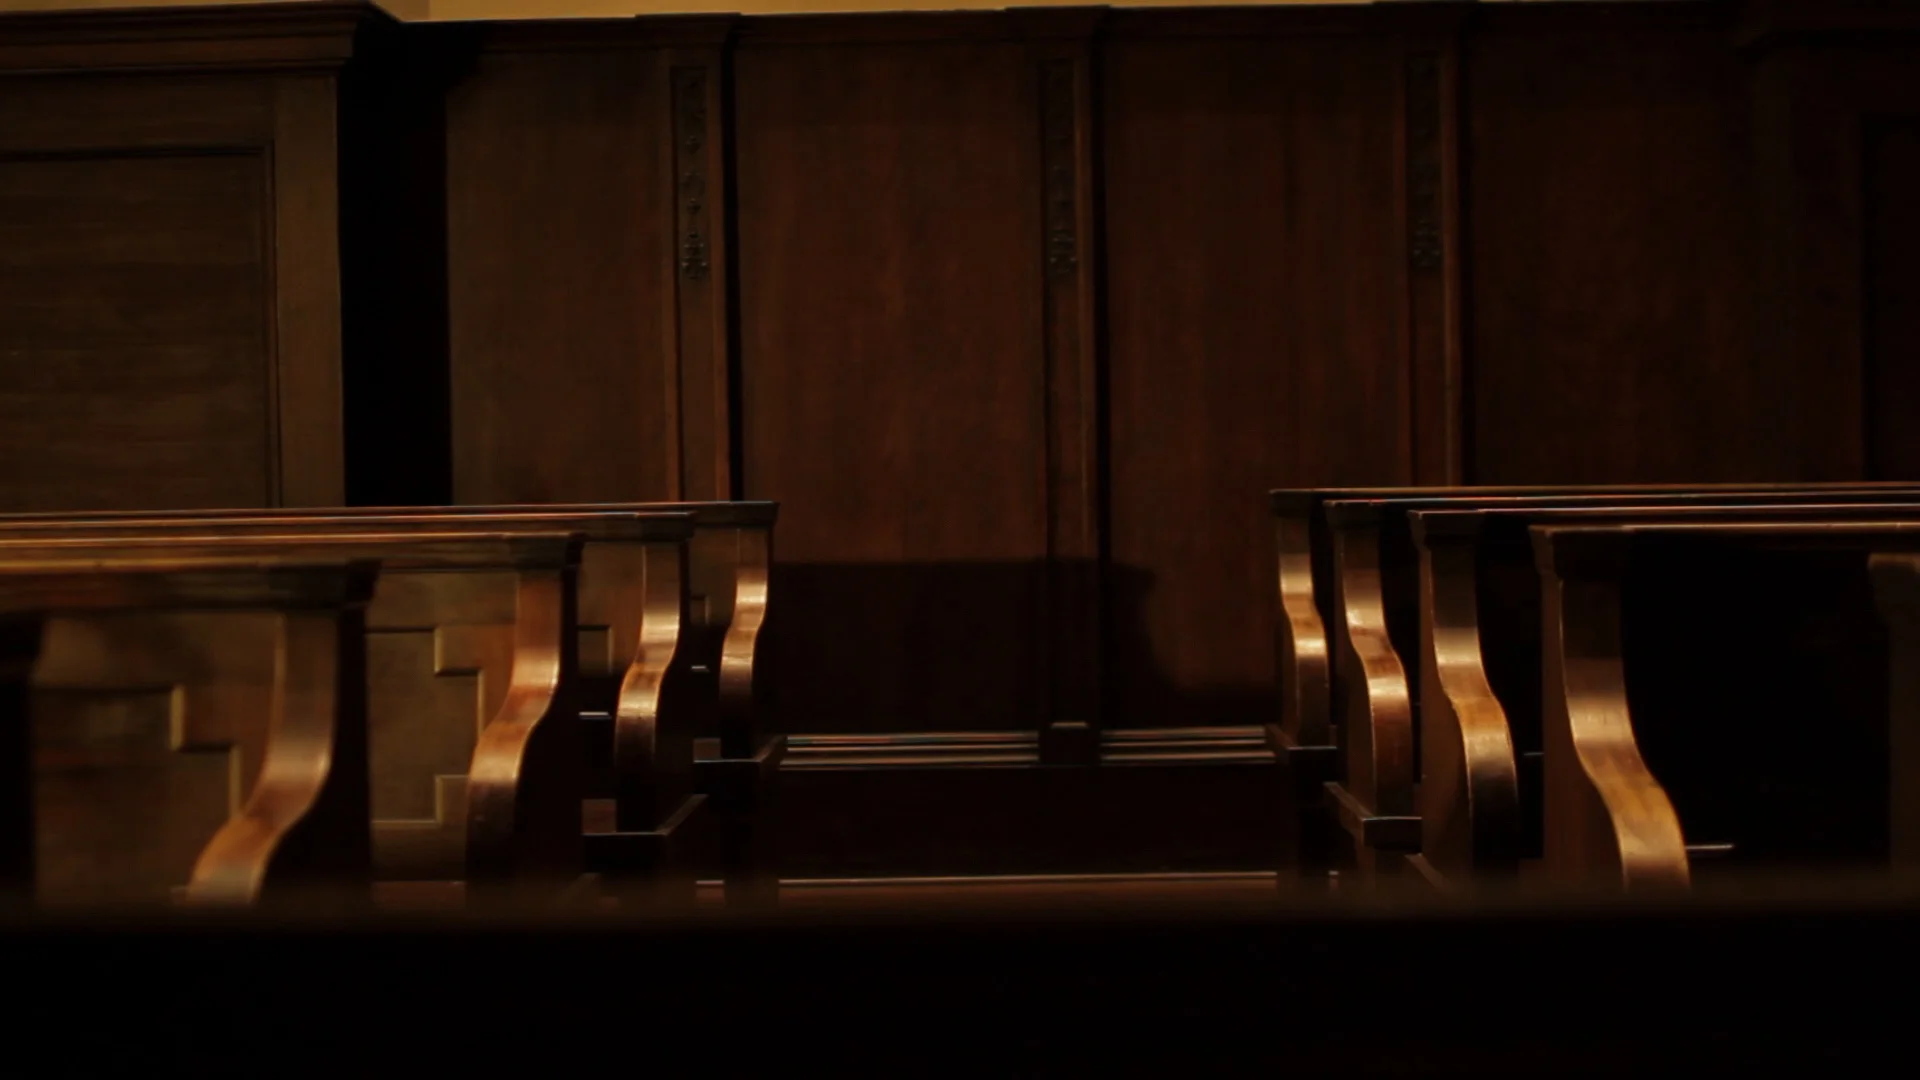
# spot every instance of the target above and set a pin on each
(285, 36)
(993, 749)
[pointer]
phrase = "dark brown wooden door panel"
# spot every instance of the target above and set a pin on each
(558, 255)
(1611, 303)
(894, 381)
(1257, 308)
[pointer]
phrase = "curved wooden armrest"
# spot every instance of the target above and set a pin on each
(652, 721)
(1302, 663)
(523, 786)
(1469, 788)
(1609, 823)
(318, 732)
(740, 661)
(1376, 717)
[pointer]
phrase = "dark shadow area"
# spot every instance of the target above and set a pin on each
(1207, 994)
(943, 647)
(395, 370)
(865, 648)
(1030, 820)
(1758, 683)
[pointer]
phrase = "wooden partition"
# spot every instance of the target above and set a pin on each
(1017, 314)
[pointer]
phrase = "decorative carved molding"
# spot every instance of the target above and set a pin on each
(1424, 244)
(690, 168)
(1057, 97)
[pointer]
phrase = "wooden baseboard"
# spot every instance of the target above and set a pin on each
(943, 804)
(1012, 749)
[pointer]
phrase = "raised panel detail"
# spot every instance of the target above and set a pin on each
(135, 364)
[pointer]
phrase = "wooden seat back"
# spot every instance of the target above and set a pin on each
(182, 727)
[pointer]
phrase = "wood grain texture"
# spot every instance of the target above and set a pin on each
(1610, 248)
(497, 613)
(1609, 823)
(1076, 451)
(894, 387)
(1257, 302)
(135, 295)
(308, 443)
(192, 230)
(1734, 772)
(559, 241)
(199, 727)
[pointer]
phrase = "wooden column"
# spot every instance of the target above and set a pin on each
(1064, 57)
(699, 343)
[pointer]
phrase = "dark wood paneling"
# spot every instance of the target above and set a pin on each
(133, 332)
(893, 366)
(1607, 172)
(560, 247)
(169, 194)
(1257, 303)
(1892, 237)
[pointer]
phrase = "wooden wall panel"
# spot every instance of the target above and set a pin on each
(893, 376)
(559, 219)
(1257, 298)
(1610, 252)
(133, 332)
(170, 273)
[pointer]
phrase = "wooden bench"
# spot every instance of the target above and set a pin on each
(182, 727)
(1369, 580)
(1726, 688)
(481, 786)
(1480, 727)
(737, 755)
(1374, 557)
(1307, 581)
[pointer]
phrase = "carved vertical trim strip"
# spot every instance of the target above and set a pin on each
(690, 169)
(1058, 98)
(1070, 734)
(698, 391)
(1431, 184)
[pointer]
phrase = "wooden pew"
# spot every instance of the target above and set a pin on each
(1480, 723)
(503, 782)
(1375, 639)
(1771, 745)
(181, 727)
(1312, 609)
(737, 756)
(1307, 594)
